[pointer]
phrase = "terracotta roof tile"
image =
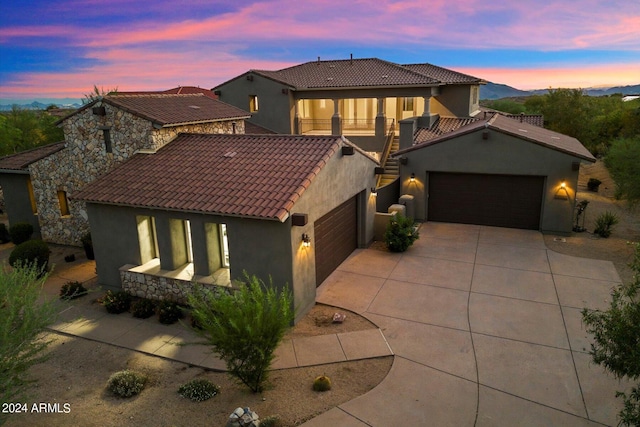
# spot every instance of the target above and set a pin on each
(442, 126)
(370, 72)
(198, 173)
(22, 160)
(443, 75)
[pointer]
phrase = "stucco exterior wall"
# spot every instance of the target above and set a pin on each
(342, 178)
(455, 101)
(275, 108)
(16, 200)
(260, 247)
(85, 158)
(499, 154)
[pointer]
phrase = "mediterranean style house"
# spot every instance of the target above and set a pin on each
(207, 208)
(39, 185)
(358, 98)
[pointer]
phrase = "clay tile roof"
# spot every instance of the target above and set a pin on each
(442, 126)
(370, 72)
(22, 160)
(180, 90)
(532, 119)
(174, 109)
(259, 176)
(253, 128)
(443, 75)
(498, 122)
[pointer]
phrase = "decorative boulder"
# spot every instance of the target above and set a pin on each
(243, 417)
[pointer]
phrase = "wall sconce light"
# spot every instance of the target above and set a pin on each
(306, 240)
(413, 177)
(374, 192)
(562, 192)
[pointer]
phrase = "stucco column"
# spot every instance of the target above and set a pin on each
(336, 120)
(428, 119)
(427, 106)
(171, 243)
(296, 118)
(199, 246)
(381, 119)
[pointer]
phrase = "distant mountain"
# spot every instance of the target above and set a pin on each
(497, 91)
(67, 103)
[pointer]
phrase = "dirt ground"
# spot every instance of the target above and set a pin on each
(78, 369)
(614, 248)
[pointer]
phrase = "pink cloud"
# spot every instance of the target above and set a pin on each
(561, 77)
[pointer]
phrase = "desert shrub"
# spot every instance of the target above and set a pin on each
(143, 308)
(169, 312)
(29, 253)
(593, 184)
(20, 232)
(199, 390)
(623, 162)
(245, 326)
(270, 421)
(126, 383)
(616, 333)
(72, 290)
(322, 383)
(5, 237)
(400, 233)
(116, 302)
(605, 223)
(23, 318)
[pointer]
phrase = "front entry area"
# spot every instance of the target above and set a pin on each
(513, 201)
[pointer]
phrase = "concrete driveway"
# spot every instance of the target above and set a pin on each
(486, 327)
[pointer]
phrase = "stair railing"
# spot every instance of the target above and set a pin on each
(387, 149)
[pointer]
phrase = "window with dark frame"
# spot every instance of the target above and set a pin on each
(64, 203)
(106, 133)
(253, 103)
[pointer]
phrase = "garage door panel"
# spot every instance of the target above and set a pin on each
(336, 236)
(497, 200)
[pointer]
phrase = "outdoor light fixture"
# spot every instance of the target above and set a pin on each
(374, 192)
(413, 177)
(562, 192)
(306, 240)
(563, 184)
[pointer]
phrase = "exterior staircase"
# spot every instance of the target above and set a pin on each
(391, 166)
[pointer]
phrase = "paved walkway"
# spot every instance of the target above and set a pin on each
(486, 329)
(484, 323)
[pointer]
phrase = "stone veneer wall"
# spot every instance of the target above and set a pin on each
(84, 159)
(160, 288)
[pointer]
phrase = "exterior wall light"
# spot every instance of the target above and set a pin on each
(562, 192)
(563, 184)
(374, 192)
(413, 177)
(306, 240)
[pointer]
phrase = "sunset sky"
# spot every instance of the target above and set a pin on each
(61, 48)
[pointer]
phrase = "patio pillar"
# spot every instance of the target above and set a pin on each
(171, 243)
(336, 120)
(381, 119)
(199, 244)
(296, 118)
(428, 119)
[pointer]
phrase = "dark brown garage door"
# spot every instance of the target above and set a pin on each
(498, 200)
(336, 236)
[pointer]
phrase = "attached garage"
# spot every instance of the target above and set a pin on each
(336, 236)
(513, 201)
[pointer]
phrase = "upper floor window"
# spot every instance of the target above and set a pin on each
(474, 95)
(106, 133)
(408, 104)
(253, 103)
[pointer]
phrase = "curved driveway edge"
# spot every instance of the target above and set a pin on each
(486, 327)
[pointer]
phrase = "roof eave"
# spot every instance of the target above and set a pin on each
(168, 125)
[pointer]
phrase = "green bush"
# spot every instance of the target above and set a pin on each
(322, 383)
(400, 233)
(72, 290)
(605, 223)
(20, 232)
(143, 308)
(5, 237)
(199, 390)
(270, 421)
(29, 253)
(616, 334)
(116, 302)
(126, 383)
(169, 312)
(245, 326)
(623, 162)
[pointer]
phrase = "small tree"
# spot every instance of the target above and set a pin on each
(616, 334)
(244, 327)
(22, 320)
(98, 92)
